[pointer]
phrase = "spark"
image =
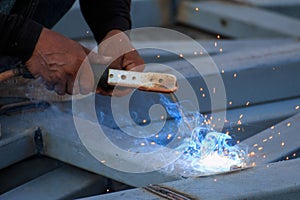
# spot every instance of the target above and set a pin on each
(255, 145)
(201, 53)
(239, 122)
(203, 95)
(197, 9)
(288, 124)
(103, 161)
(282, 144)
(181, 55)
(156, 135)
(271, 137)
(216, 44)
(162, 117)
(294, 154)
(247, 103)
(153, 143)
(215, 180)
(264, 140)
(195, 53)
(144, 121)
(279, 133)
(221, 50)
(287, 158)
(222, 71)
(230, 102)
(234, 75)
(253, 164)
(297, 107)
(142, 144)
(169, 136)
(272, 127)
(158, 56)
(260, 148)
(201, 89)
(252, 153)
(218, 36)
(241, 116)
(264, 156)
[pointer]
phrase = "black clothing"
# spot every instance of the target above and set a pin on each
(20, 30)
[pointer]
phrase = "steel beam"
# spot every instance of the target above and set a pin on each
(274, 181)
(62, 183)
(276, 142)
(237, 20)
(290, 8)
(16, 146)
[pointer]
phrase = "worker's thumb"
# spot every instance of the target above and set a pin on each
(85, 78)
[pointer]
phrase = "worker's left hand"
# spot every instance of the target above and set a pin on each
(117, 45)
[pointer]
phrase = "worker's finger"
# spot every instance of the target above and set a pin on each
(57, 59)
(95, 58)
(86, 78)
(60, 88)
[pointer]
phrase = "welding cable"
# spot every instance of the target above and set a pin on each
(16, 70)
(6, 75)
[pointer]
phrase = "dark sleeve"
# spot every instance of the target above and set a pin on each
(18, 36)
(105, 15)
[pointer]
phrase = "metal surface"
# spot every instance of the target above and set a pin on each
(290, 8)
(16, 146)
(274, 181)
(63, 183)
(155, 82)
(237, 20)
(276, 142)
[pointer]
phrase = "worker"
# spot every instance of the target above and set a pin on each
(25, 36)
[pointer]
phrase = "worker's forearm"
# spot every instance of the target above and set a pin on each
(104, 16)
(18, 36)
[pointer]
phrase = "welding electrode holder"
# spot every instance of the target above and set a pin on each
(146, 81)
(103, 82)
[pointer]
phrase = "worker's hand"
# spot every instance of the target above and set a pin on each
(117, 45)
(57, 60)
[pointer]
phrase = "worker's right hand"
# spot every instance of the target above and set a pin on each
(58, 60)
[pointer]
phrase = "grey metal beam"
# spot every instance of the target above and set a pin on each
(16, 146)
(63, 183)
(237, 20)
(274, 181)
(290, 8)
(20, 173)
(212, 47)
(276, 142)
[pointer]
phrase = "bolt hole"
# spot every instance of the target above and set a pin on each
(151, 80)
(160, 80)
(111, 76)
(133, 78)
(123, 77)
